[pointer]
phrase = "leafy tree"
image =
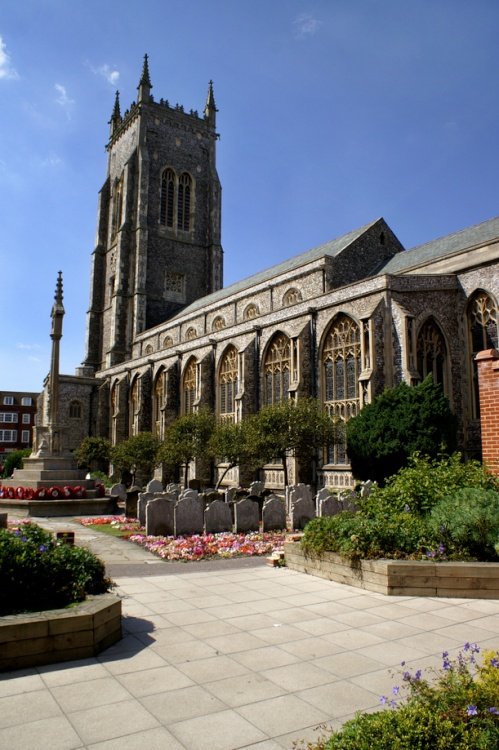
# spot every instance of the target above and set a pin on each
(292, 428)
(14, 460)
(138, 454)
(231, 442)
(401, 421)
(186, 439)
(94, 452)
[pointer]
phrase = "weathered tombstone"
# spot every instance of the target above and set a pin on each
(330, 506)
(256, 488)
(194, 484)
(131, 500)
(217, 517)
(154, 486)
(188, 514)
(144, 498)
(273, 514)
(3, 520)
(118, 491)
(348, 500)
(159, 516)
(296, 492)
(302, 511)
(366, 488)
(323, 494)
(246, 517)
(230, 494)
(173, 489)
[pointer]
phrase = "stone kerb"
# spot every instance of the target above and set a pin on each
(273, 514)
(159, 515)
(246, 515)
(217, 517)
(302, 511)
(188, 514)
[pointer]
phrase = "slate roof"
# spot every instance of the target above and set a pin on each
(451, 244)
(331, 248)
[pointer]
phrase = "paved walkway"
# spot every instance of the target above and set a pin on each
(229, 655)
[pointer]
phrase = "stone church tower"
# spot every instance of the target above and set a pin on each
(158, 229)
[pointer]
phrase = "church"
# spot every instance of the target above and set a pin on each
(340, 322)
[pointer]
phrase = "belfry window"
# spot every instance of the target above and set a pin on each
(276, 370)
(167, 198)
(184, 203)
(482, 334)
(175, 200)
(227, 386)
(341, 365)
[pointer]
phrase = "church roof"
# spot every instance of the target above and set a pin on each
(451, 244)
(331, 249)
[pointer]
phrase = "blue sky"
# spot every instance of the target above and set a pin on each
(331, 113)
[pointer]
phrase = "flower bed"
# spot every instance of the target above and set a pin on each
(195, 547)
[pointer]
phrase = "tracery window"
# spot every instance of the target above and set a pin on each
(341, 363)
(75, 410)
(167, 342)
(482, 334)
(157, 405)
(114, 412)
(432, 353)
(134, 407)
(175, 200)
(218, 323)
(251, 312)
(117, 210)
(227, 386)
(189, 387)
(276, 370)
(191, 333)
(149, 349)
(291, 297)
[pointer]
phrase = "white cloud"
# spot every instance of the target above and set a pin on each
(63, 99)
(52, 160)
(28, 347)
(306, 25)
(110, 74)
(6, 69)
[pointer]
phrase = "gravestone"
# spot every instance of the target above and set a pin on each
(159, 516)
(230, 494)
(144, 498)
(118, 491)
(194, 484)
(188, 514)
(131, 500)
(302, 511)
(273, 514)
(330, 506)
(322, 494)
(246, 517)
(217, 517)
(256, 488)
(296, 492)
(173, 489)
(154, 486)
(348, 500)
(366, 488)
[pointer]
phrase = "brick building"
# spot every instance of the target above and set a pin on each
(341, 322)
(17, 417)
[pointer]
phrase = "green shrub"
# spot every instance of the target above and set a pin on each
(38, 574)
(467, 522)
(458, 709)
(14, 460)
(395, 425)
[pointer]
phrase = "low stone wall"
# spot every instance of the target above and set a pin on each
(55, 508)
(467, 580)
(77, 632)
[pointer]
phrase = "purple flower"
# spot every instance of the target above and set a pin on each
(445, 654)
(393, 704)
(395, 690)
(467, 646)
(382, 699)
(493, 710)
(472, 711)
(42, 548)
(441, 548)
(417, 676)
(406, 676)
(494, 662)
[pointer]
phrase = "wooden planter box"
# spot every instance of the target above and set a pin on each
(466, 580)
(55, 635)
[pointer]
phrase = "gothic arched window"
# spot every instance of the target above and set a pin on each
(117, 214)
(482, 334)
(218, 323)
(134, 407)
(291, 297)
(432, 353)
(251, 312)
(158, 403)
(167, 198)
(276, 369)
(227, 386)
(191, 333)
(189, 387)
(184, 202)
(75, 410)
(341, 365)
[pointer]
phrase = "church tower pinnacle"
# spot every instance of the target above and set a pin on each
(115, 120)
(145, 85)
(210, 109)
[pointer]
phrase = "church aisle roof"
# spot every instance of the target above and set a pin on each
(331, 249)
(450, 244)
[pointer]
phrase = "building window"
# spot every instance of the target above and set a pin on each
(175, 200)
(276, 370)
(114, 413)
(149, 349)
(218, 323)
(117, 216)
(482, 334)
(191, 333)
(432, 353)
(341, 366)
(134, 407)
(167, 342)
(26, 418)
(189, 387)
(291, 297)
(8, 400)
(227, 386)
(27, 401)
(8, 416)
(75, 410)
(158, 403)
(25, 436)
(251, 312)
(8, 436)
